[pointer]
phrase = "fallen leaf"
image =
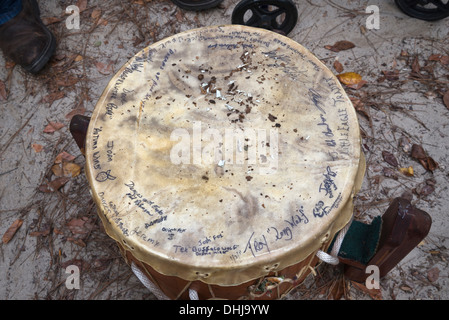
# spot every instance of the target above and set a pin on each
(391, 75)
(434, 57)
(66, 169)
(71, 169)
(427, 162)
(407, 171)
(338, 66)
(76, 226)
(351, 79)
(359, 106)
(80, 225)
(433, 274)
(104, 68)
(78, 58)
(3, 94)
(444, 60)
(431, 182)
(375, 294)
(406, 288)
(64, 156)
(362, 29)
(179, 16)
(102, 21)
(57, 170)
(446, 99)
(9, 234)
(77, 241)
(37, 147)
(96, 13)
(416, 68)
(390, 158)
(53, 126)
(43, 233)
(53, 185)
(50, 98)
(340, 46)
(66, 81)
(425, 190)
(418, 152)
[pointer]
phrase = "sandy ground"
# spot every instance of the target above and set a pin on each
(401, 104)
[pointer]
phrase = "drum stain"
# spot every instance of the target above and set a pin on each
(249, 206)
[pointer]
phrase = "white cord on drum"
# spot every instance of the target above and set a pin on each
(147, 283)
(193, 295)
(332, 258)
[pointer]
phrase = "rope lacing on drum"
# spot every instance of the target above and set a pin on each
(193, 294)
(147, 283)
(332, 257)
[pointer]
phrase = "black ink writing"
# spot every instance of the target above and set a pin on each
(317, 100)
(172, 231)
(110, 109)
(96, 161)
(256, 245)
(95, 137)
(328, 185)
(109, 152)
(146, 205)
(155, 221)
(320, 210)
(327, 131)
(104, 176)
(343, 130)
(286, 232)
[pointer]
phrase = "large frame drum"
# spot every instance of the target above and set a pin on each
(221, 160)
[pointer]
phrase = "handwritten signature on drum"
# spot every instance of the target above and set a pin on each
(258, 244)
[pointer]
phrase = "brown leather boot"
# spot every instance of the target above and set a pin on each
(26, 40)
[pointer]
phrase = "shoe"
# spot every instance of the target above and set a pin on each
(26, 40)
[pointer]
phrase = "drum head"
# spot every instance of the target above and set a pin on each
(223, 153)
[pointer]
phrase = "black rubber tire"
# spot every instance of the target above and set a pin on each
(419, 12)
(288, 7)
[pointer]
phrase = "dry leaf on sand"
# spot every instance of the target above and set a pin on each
(9, 234)
(340, 46)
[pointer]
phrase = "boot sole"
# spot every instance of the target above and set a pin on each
(46, 55)
(49, 49)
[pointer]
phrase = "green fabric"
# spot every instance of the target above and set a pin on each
(361, 240)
